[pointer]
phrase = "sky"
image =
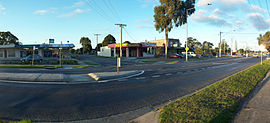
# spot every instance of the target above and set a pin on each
(35, 21)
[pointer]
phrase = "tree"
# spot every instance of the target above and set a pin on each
(171, 11)
(265, 40)
(224, 46)
(241, 51)
(86, 44)
(198, 51)
(8, 38)
(207, 47)
(127, 42)
(98, 47)
(194, 43)
(109, 39)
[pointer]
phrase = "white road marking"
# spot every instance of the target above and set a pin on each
(156, 76)
(140, 78)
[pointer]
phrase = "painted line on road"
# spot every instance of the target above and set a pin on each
(156, 76)
(121, 78)
(141, 78)
(168, 74)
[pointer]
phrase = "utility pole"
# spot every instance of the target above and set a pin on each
(187, 34)
(97, 41)
(60, 53)
(220, 44)
(121, 28)
(231, 47)
(224, 47)
(97, 37)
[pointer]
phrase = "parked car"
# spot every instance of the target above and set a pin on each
(190, 54)
(176, 55)
(37, 58)
(255, 55)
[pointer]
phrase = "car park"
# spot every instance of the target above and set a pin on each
(37, 58)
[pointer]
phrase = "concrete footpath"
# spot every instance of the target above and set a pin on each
(46, 78)
(257, 109)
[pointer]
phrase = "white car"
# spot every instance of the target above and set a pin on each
(189, 54)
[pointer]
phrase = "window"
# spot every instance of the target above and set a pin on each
(11, 53)
(1, 53)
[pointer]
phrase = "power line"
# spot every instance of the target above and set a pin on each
(110, 3)
(113, 11)
(267, 7)
(100, 13)
(129, 35)
(258, 19)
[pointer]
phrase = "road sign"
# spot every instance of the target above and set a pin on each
(187, 49)
(51, 41)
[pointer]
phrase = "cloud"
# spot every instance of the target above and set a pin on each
(147, 20)
(258, 21)
(2, 8)
(78, 4)
(45, 11)
(213, 19)
(75, 12)
(255, 8)
(228, 5)
(146, 3)
(144, 27)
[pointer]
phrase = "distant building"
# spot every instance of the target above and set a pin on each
(129, 50)
(171, 43)
(46, 51)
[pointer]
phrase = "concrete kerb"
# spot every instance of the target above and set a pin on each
(113, 76)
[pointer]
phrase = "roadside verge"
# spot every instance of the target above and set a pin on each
(217, 102)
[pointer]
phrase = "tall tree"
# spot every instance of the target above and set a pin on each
(127, 42)
(207, 47)
(170, 11)
(86, 44)
(109, 39)
(8, 38)
(194, 43)
(265, 40)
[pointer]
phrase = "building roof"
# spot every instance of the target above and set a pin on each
(45, 46)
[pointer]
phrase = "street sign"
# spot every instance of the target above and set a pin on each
(187, 49)
(51, 41)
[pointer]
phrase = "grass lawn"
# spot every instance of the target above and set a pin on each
(22, 121)
(173, 62)
(30, 66)
(218, 102)
(90, 63)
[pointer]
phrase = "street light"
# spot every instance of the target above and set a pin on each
(261, 49)
(208, 4)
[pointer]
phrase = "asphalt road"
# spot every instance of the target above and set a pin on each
(159, 84)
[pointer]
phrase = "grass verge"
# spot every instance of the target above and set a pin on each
(217, 102)
(82, 66)
(30, 66)
(147, 61)
(90, 63)
(173, 62)
(22, 121)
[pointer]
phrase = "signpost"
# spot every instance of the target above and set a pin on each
(33, 55)
(118, 64)
(187, 49)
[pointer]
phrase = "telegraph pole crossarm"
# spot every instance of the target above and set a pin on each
(121, 28)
